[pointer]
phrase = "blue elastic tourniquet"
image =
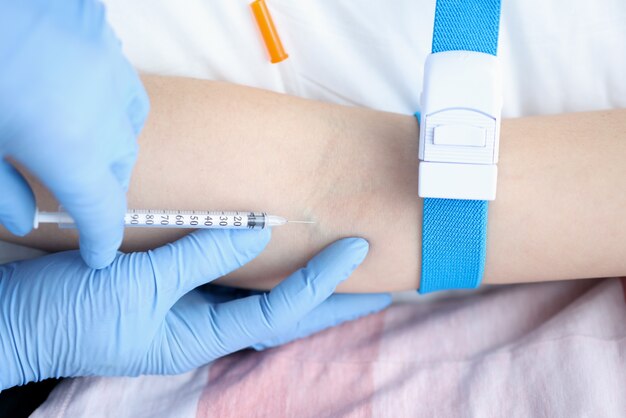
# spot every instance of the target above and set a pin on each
(466, 25)
(454, 235)
(454, 244)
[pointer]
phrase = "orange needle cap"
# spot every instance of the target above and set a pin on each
(268, 31)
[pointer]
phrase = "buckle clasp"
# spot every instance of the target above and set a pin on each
(460, 131)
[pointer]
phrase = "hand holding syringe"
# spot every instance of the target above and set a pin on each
(158, 218)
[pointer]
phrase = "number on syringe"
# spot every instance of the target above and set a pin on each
(208, 221)
(149, 219)
(134, 219)
(237, 220)
(165, 220)
(223, 220)
(179, 220)
(193, 220)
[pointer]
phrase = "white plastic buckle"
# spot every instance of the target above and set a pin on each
(460, 126)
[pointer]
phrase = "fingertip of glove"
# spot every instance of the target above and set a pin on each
(265, 235)
(254, 241)
(19, 227)
(336, 262)
(138, 109)
(356, 247)
(100, 252)
(97, 259)
(352, 250)
(262, 238)
(360, 248)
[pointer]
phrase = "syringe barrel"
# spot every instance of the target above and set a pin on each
(195, 219)
(156, 218)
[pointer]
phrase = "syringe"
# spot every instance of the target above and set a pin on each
(158, 218)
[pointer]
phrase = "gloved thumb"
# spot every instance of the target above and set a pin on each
(17, 202)
(204, 256)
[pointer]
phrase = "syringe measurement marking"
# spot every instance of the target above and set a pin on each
(192, 219)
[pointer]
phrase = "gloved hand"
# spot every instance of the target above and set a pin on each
(144, 315)
(71, 107)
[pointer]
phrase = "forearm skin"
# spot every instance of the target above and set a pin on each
(206, 146)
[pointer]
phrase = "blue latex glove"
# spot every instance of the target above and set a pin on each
(71, 107)
(144, 315)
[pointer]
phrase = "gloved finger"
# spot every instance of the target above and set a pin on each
(123, 168)
(204, 256)
(124, 162)
(241, 323)
(99, 216)
(120, 146)
(335, 310)
(88, 190)
(136, 111)
(139, 104)
(17, 205)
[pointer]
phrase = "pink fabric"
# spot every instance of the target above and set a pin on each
(293, 378)
(551, 349)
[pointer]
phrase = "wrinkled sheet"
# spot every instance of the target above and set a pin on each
(552, 349)
(557, 56)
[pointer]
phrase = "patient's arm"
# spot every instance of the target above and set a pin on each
(559, 212)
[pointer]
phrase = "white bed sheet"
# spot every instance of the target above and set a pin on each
(557, 55)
